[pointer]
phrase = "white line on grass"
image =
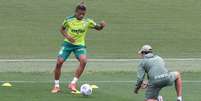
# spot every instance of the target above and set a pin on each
(14, 81)
(94, 60)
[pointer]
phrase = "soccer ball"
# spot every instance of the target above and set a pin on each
(86, 90)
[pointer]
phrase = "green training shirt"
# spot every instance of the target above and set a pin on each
(78, 28)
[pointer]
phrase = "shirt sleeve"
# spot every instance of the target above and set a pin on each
(65, 23)
(140, 74)
(91, 24)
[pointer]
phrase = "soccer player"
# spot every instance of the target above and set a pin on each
(158, 76)
(74, 29)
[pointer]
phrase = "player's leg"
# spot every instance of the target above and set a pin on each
(63, 55)
(176, 77)
(57, 71)
(151, 100)
(152, 93)
(80, 54)
(83, 61)
(178, 86)
(159, 98)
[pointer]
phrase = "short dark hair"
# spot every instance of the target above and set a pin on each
(81, 7)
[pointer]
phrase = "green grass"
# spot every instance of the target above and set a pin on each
(95, 66)
(39, 90)
(29, 28)
(39, 79)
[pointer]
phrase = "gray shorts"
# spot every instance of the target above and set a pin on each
(153, 90)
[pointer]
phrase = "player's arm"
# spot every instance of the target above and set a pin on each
(100, 26)
(140, 77)
(66, 35)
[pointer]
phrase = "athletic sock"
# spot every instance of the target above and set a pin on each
(56, 83)
(75, 79)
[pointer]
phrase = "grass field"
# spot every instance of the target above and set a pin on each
(33, 81)
(29, 30)
(116, 86)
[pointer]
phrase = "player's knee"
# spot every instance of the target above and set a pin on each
(60, 61)
(178, 74)
(151, 100)
(83, 59)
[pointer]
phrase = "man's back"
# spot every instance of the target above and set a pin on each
(154, 66)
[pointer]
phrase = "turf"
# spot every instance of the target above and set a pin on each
(114, 90)
(29, 28)
(95, 66)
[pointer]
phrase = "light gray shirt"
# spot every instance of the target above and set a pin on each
(153, 66)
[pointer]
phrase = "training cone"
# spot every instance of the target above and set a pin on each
(94, 86)
(6, 84)
(75, 92)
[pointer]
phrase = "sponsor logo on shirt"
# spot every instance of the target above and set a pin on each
(160, 76)
(78, 31)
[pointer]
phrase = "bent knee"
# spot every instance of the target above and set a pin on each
(60, 61)
(83, 59)
(178, 74)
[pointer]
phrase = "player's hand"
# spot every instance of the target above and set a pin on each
(136, 90)
(144, 84)
(71, 39)
(103, 23)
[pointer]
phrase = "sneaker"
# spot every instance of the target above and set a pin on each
(72, 87)
(55, 90)
(160, 98)
(75, 92)
(179, 99)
